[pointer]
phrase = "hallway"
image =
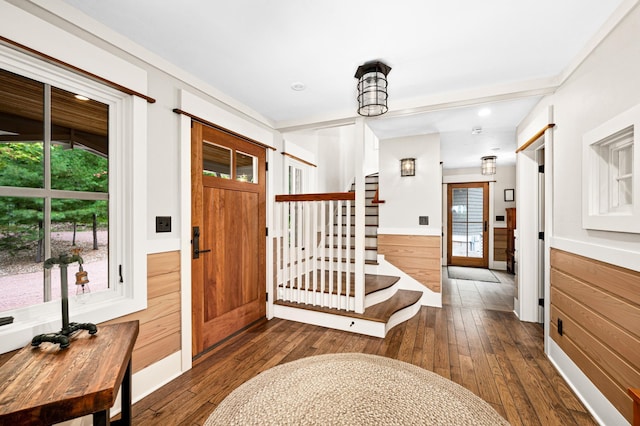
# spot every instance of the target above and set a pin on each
(479, 294)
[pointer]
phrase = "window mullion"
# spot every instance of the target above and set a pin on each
(47, 187)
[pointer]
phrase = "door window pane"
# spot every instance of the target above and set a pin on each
(459, 205)
(474, 238)
(459, 239)
(246, 167)
(474, 204)
(216, 160)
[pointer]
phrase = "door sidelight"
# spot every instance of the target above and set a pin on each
(196, 243)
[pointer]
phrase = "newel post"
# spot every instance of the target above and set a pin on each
(360, 214)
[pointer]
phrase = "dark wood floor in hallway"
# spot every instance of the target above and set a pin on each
(474, 340)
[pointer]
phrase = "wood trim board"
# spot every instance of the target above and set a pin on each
(160, 326)
(595, 319)
(417, 255)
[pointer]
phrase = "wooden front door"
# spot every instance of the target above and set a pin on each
(228, 235)
(468, 224)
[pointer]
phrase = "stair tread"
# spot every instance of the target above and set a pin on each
(366, 262)
(380, 312)
(367, 225)
(372, 282)
(343, 247)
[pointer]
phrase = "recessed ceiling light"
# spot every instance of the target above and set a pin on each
(484, 112)
(497, 148)
(298, 86)
(81, 98)
(476, 130)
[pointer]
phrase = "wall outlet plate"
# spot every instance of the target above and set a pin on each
(163, 224)
(423, 220)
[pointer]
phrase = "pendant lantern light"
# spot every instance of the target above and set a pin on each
(372, 88)
(489, 165)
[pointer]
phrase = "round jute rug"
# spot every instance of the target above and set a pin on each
(351, 389)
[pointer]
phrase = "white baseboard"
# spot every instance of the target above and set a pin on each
(152, 378)
(597, 404)
(498, 265)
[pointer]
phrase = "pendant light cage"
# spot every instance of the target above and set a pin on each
(489, 165)
(372, 88)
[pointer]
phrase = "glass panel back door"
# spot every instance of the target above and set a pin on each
(467, 235)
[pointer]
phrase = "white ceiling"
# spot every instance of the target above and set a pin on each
(442, 53)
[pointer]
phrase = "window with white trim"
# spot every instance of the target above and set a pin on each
(54, 174)
(68, 176)
(610, 175)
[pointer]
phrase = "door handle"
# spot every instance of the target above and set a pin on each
(196, 243)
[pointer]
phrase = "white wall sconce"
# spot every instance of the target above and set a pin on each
(408, 167)
(372, 88)
(489, 165)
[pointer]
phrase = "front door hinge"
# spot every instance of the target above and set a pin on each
(266, 166)
(266, 231)
(267, 296)
(541, 168)
(541, 235)
(120, 273)
(541, 302)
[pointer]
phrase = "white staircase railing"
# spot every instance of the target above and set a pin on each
(313, 252)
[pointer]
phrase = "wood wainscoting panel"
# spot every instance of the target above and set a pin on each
(160, 330)
(499, 244)
(419, 256)
(598, 305)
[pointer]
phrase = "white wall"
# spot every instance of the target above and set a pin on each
(606, 84)
(162, 168)
(408, 197)
(336, 168)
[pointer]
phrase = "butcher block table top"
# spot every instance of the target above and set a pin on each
(46, 384)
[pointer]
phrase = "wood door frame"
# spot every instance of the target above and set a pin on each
(198, 343)
(484, 261)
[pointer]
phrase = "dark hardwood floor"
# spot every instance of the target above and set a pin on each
(474, 340)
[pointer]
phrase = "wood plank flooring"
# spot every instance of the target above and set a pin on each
(479, 294)
(474, 340)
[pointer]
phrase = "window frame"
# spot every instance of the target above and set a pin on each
(127, 185)
(600, 173)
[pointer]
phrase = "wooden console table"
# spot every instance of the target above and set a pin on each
(45, 385)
